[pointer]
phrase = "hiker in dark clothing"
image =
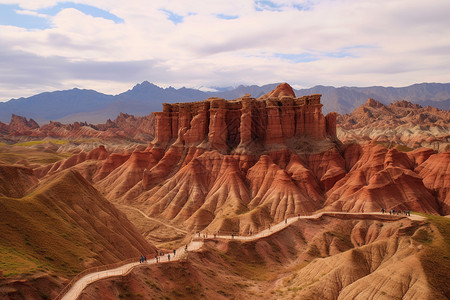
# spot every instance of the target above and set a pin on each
(168, 257)
(185, 248)
(174, 251)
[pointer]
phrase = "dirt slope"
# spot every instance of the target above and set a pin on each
(62, 227)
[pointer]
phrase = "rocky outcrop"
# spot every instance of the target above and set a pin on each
(435, 172)
(19, 126)
(398, 124)
(244, 123)
(124, 127)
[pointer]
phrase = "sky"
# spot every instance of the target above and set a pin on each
(111, 45)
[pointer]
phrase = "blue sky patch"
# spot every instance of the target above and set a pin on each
(347, 51)
(9, 16)
(297, 58)
(261, 5)
(302, 6)
(86, 9)
(227, 17)
(173, 16)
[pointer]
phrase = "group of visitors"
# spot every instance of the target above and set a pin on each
(161, 254)
(397, 212)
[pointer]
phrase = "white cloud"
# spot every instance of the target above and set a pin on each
(352, 42)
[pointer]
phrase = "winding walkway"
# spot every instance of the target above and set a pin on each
(197, 243)
(83, 282)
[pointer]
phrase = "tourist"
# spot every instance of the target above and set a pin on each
(168, 257)
(174, 251)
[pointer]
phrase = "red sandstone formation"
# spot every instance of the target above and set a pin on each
(399, 123)
(241, 165)
(245, 122)
(435, 172)
(124, 126)
(381, 178)
(18, 126)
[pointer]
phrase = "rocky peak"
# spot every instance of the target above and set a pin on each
(282, 90)
(405, 104)
(373, 103)
(19, 123)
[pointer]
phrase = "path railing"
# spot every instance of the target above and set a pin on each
(200, 236)
(93, 270)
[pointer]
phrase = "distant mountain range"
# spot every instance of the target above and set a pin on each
(93, 107)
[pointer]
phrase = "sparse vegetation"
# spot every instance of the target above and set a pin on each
(435, 257)
(398, 147)
(39, 142)
(13, 155)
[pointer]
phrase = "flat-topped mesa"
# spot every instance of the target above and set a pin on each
(227, 124)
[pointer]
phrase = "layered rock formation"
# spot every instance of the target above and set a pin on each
(125, 127)
(244, 123)
(399, 123)
(199, 188)
(232, 165)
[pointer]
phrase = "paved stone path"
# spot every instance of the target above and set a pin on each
(197, 243)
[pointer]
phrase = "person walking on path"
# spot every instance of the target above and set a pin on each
(174, 252)
(168, 257)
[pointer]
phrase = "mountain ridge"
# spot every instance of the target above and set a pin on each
(95, 107)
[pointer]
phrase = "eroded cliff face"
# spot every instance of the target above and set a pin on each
(240, 165)
(245, 123)
(402, 123)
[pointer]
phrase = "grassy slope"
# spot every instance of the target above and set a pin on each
(35, 238)
(14, 154)
(63, 227)
(435, 257)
